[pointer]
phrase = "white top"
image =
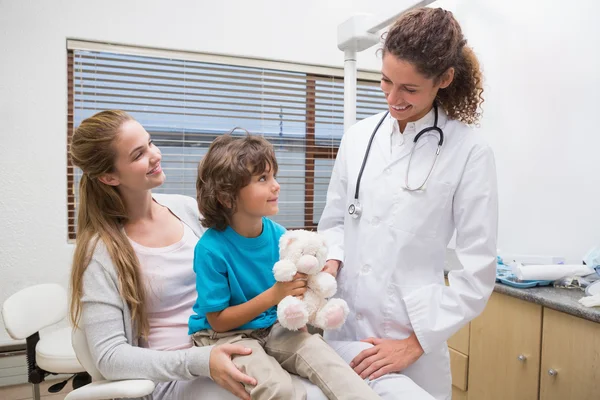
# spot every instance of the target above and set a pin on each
(170, 290)
(107, 323)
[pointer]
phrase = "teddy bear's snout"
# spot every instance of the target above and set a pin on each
(308, 264)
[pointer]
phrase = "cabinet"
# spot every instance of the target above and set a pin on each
(520, 350)
(570, 366)
(460, 340)
(505, 350)
(458, 394)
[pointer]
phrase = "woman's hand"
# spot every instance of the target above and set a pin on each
(224, 372)
(386, 355)
(332, 267)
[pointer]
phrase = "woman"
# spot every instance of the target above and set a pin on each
(132, 280)
(389, 256)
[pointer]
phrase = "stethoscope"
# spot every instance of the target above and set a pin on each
(355, 209)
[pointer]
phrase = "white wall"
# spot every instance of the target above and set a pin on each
(542, 66)
(539, 110)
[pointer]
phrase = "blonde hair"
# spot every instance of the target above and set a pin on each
(102, 213)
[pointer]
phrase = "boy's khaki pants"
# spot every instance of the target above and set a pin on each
(276, 350)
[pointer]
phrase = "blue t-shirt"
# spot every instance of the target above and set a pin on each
(232, 269)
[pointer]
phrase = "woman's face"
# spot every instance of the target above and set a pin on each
(137, 165)
(409, 94)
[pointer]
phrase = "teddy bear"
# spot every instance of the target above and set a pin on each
(306, 252)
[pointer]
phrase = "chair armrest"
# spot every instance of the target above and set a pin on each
(102, 390)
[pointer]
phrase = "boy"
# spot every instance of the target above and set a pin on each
(237, 293)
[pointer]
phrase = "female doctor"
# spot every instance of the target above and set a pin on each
(393, 204)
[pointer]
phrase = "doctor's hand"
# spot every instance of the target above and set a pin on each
(224, 372)
(386, 355)
(332, 267)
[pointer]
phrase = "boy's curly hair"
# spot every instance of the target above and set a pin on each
(227, 167)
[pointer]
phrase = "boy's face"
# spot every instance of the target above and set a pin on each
(260, 198)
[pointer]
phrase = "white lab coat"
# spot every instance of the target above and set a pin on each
(393, 255)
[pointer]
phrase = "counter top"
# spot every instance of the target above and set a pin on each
(565, 300)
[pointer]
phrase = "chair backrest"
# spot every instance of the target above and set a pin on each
(33, 308)
(82, 351)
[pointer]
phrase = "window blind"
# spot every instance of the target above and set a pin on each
(185, 104)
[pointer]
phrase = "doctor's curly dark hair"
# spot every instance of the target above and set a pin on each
(432, 40)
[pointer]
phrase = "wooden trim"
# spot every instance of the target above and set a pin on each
(326, 153)
(309, 159)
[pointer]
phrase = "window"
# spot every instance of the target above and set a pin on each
(185, 103)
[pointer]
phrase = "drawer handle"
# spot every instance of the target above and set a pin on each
(522, 358)
(552, 372)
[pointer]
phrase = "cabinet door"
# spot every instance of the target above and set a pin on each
(570, 358)
(459, 366)
(458, 394)
(460, 340)
(504, 357)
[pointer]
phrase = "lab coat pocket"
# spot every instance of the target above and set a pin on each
(421, 212)
(396, 323)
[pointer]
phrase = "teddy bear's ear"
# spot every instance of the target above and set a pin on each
(288, 238)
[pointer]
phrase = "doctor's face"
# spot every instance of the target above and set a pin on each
(409, 94)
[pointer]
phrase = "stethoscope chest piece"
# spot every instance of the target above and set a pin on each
(355, 210)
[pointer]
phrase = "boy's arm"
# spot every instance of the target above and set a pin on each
(236, 316)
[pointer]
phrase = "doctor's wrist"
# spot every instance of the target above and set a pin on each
(332, 267)
(416, 347)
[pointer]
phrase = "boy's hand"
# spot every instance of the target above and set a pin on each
(297, 288)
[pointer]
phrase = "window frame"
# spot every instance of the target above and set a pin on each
(313, 151)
